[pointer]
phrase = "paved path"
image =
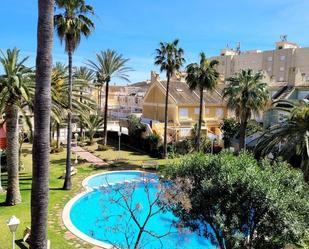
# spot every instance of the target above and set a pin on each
(89, 157)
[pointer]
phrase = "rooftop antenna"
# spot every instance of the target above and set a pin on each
(284, 38)
(238, 47)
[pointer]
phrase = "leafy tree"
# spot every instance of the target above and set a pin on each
(71, 23)
(109, 64)
(202, 76)
(290, 137)
(15, 84)
(230, 128)
(238, 202)
(170, 59)
(42, 112)
(246, 94)
(135, 127)
(93, 123)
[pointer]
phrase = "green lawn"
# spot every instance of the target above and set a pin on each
(133, 158)
(58, 197)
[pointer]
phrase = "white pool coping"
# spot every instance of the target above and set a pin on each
(68, 207)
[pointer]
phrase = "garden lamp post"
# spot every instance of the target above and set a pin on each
(1, 189)
(13, 223)
(76, 137)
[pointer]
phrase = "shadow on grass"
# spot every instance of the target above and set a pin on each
(58, 161)
(55, 189)
(20, 244)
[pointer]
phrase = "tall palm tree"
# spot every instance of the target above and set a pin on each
(170, 59)
(202, 76)
(109, 64)
(59, 89)
(42, 109)
(71, 23)
(246, 94)
(58, 79)
(290, 137)
(83, 74)
(14, 90)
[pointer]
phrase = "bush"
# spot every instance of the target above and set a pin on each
(102, 147)
(56, 150)
(184, 147)
(248, 204)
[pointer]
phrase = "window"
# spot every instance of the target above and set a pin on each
(270, 58)
(183, 113)
(219, 112)
(281, 79)
(207, 111)
(282, 57)
(197, 111)
(307, 78)
(269, 69)
(281, 69)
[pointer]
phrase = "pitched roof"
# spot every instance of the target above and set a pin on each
(180, 91)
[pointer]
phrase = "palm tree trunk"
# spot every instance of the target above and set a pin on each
(242, 134)
(58, 135)
(105, 112)
(67, 181)
(81, 119)
(13, 196)
(199, 128)
(51, 131)
(42, 110)
(165, 117)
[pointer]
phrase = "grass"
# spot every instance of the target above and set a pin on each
(133, 159)
(57, 197)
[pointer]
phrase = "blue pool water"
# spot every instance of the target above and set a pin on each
(98, 215)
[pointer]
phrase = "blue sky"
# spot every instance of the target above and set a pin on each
(135, 27)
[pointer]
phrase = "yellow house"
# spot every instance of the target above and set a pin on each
(183, 108)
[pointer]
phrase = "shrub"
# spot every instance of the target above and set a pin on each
(102, 147)
(238, 202)
(230, 128)
(56, 149)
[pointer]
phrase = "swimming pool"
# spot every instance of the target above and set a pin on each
(100, 216)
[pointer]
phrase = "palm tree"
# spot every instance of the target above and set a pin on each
(93, 123)
(202, 76)
(109, 64)
(59, 89)
(42, 109)
(290, 137)
(14, 90)
(58, 80)
(245, 94)
(86, 75)
(170, 59)
(71, 23)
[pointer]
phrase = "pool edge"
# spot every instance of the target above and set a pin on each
(67, 209)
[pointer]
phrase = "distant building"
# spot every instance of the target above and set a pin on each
(3, 141)
(285, 69)
(123, 100)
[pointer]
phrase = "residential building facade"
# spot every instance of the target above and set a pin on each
(183, 107)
